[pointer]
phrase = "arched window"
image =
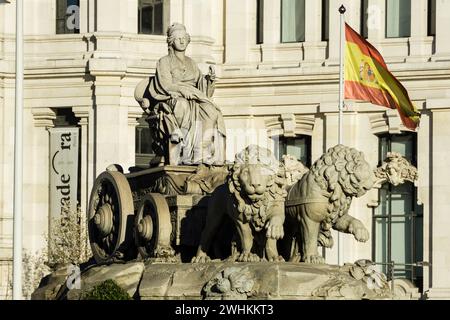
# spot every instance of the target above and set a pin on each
(398, 220)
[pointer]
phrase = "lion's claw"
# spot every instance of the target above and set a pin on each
(201, 259)
(314, 259)
(276, 259)
(248, 257)
(360, 232)
(275, 229)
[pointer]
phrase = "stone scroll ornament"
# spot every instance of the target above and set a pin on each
(395, 170)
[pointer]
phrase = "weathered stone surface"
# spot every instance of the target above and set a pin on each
(127, 276)
(52, 284)
(231, 280)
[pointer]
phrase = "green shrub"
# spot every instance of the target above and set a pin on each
(107, 290)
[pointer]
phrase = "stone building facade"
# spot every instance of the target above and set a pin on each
(277, 68)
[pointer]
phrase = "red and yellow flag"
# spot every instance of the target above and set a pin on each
(367, 78)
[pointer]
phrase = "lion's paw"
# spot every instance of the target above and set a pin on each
(248, 257)
(360, 232)
(275, 259)
(296, 258)
(275, 229)
(314, 259)
(201, 259)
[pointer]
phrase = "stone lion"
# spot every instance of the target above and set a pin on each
(253, 197)
(321, 200)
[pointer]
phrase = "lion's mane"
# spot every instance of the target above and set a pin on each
(256, 213)
(340, 173)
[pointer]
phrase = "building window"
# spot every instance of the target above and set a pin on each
(259, 21)
(431, 17)
(143, 144)
(67, 16)
(365, 18)
(398, 221)
(398, 18)
(325, 20)
(150, 17)
(299, 147)
(292, 20)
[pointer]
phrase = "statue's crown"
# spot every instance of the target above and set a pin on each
(175, 27)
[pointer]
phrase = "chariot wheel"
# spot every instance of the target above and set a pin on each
(152, 225)
(110, 208)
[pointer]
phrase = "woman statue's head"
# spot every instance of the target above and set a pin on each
(177, 37)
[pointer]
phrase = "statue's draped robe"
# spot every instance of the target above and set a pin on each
(198, 121)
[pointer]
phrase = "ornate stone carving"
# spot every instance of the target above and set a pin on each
(321, 199)
(206, 179)
(365, 270)
(294, 169)
(230, 284)
(364, 283)
(254, 199)
(395, 170)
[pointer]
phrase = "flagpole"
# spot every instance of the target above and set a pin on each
(342, 11)
(18, 158)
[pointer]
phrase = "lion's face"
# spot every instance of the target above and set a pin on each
(254, 180)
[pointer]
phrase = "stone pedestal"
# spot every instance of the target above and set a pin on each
(229, 280)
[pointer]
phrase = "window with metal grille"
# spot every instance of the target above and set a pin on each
(398, 220)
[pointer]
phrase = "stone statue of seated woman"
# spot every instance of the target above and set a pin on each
(187, 126)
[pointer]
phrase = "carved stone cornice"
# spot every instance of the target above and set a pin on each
(290, 125)
(43, 117)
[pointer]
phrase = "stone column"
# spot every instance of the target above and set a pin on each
(424, 189)
(313, 46)
(331, 139)
(134, 114)
(376, 21)
(419, 43)
(271, 30)
(442, 30)
(439, 204)
(240, 31)
(110, 117)
(84, 16)
(83, 113)
(198, 20)
(36, 177)
(352, 17)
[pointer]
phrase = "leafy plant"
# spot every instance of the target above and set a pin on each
(107, 290)
(68, 243)
(68, 240)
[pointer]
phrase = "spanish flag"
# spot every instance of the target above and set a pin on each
(367, 78)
